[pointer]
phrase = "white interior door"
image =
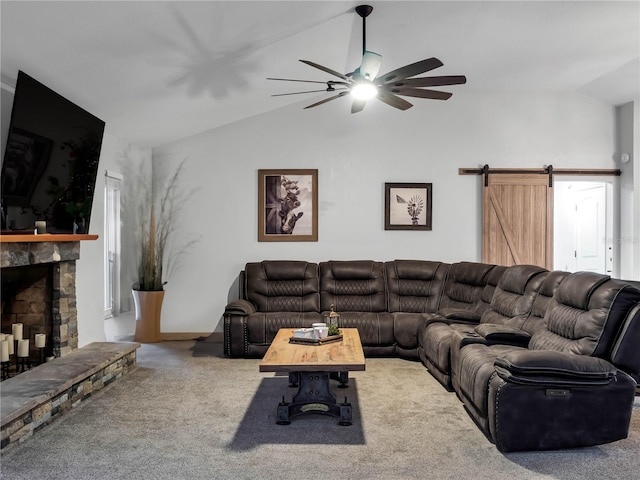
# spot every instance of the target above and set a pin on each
(583, 225)
(591, 228)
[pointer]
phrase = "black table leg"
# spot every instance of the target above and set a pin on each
(313, 396)
(342, 378)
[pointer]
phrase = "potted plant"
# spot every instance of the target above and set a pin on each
(156, 260)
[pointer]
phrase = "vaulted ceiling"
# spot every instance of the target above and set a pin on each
(157, 71)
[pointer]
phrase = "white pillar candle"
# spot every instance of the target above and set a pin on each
(41, 340)
(2, 337)
(4, 351)
(16, 329)
(23, 348)
(11, 347)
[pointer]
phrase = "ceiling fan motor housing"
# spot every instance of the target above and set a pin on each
(364, 10)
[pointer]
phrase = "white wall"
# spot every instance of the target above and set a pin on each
(134, 163)
(355, 156)
(90, 277)
(128, 160)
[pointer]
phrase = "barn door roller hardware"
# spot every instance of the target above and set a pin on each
(547, 170)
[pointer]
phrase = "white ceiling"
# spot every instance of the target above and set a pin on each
(157, 71)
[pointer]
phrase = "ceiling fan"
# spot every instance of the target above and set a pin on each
(364, 82)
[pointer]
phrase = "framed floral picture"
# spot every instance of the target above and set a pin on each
(288, 205)
(407, 206)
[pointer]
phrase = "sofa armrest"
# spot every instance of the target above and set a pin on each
(239, 307)
(459, 314)
(545, 367)
(502, 334)
(235, 327)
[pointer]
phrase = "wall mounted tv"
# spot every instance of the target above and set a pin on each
(50, 161)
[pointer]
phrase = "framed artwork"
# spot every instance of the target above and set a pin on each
(288, 205)
(407, 206)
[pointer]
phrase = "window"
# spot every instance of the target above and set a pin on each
(112, 244)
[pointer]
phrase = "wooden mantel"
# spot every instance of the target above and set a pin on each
(44, 237)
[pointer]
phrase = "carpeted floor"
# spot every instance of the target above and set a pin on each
(189, 413)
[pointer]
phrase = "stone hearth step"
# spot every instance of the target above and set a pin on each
(35, 398)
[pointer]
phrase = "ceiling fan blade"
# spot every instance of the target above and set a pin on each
(294, 80)
(420, 93)
(430, 81)
(341, 94)
(409, 71)
(325, 69)
(370, 65)
(297, 93)
(393, 100)
(358, 105)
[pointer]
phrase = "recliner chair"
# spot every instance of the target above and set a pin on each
(567, 388)
(274, 294)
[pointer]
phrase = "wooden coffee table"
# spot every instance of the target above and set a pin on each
(310, 368)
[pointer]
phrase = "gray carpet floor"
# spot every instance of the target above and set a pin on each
(187, 412)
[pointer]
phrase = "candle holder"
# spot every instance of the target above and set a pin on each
(22, 364)
(41, 349)
(5, 370)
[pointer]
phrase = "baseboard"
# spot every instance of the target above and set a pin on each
(211, 337)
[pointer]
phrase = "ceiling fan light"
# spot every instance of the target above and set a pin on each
(364, 91)
(370, 65)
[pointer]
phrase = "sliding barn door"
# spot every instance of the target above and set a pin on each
(517, 220)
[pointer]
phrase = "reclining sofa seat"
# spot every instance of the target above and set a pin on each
(484, 303)
(467, 293)
(562, 391)
(357, 291)
(414, 288)
(504, 334)
(274, 294)
(463, 291)
(510, 305)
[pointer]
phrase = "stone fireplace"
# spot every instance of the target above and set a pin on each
(38, 274)
(39, 291)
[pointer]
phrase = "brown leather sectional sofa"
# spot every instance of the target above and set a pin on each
(541, 360)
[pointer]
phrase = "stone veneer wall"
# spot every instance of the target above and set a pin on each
(63, 308)
(63, 305)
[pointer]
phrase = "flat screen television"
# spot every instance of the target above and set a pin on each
(50, 161)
